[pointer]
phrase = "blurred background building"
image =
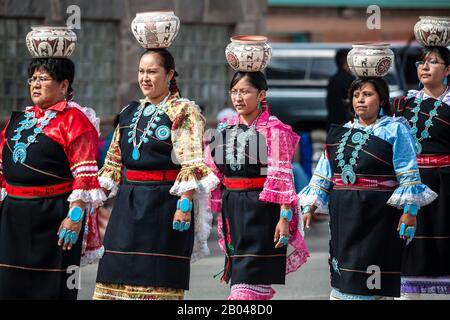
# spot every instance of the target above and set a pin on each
(345, 20)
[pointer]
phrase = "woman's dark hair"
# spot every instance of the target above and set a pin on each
(256, 79)
(168, 63)
(59, 69)
(442, 52)
(381, 87)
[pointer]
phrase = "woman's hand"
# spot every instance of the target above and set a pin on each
(68, 232)
(282, 229)
(307, 217)
(407, 227)
(182, 219)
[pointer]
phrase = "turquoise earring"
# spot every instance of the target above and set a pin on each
(445, 82)
(259, 106)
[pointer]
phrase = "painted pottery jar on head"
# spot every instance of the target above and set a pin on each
(370, 60)
(433, 31)
(248, 53)
(51, 42)
(156, 29)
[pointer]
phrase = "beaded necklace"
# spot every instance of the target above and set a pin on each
(154, 112)
(30, 121)
(242, 139)
(348, 174)
(425, 134)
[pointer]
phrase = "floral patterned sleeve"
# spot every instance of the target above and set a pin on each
(2, 179)
(279, 186)
(110, 175)
(187, 139)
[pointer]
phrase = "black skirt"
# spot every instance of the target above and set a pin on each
(249, 228)
(364, 236)
(141, 248)
(429, 254)
(32, 265)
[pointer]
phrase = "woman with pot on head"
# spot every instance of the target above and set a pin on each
(252, 155)
(48, 177)
(367, 179)
(160, 221)
(426, 262)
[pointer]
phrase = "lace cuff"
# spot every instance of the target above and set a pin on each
(94, 198)
(196, 177)
(411, 191)
(110, 185)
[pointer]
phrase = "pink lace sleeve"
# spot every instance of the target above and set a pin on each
(215, 200)
(279, 186)
(2, 179)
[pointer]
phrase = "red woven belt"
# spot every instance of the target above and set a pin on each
(367, 183)
(162, 175)
(433, 161)
(244, 183)
(39, 192)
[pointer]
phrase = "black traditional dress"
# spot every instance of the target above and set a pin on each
(257, 177)
(144, 257)
(38, 183)
(426, 262)
(365, 247)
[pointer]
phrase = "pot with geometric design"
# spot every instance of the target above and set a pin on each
(433, 31)
(51, 42)
(248, 53)
(157, 29)
(370, 60)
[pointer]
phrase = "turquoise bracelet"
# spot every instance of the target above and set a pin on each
(286, 214)
(411, 209)
(184, 205)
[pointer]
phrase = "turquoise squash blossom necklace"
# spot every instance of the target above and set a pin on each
(348, 174)
(154, 112)
(242, 139)
(425, 134)
(20, 148)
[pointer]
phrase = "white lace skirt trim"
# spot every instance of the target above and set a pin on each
(3, 194)
(203, 224)
(90, 257)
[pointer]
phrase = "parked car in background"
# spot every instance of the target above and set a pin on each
(298, 76)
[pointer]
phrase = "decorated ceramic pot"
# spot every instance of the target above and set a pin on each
(433, 31)
(155, 30)
(51, 42)
(248, 53)
(370, 60)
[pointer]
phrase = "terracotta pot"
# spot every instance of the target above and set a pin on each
(155, 30)
(370, 60)
(433, 31)
(51, 42)
(248, 53)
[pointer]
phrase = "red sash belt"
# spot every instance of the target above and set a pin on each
(39, 192)
(433, 161)
(244, 183)
(148, 176)
(367, 183)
